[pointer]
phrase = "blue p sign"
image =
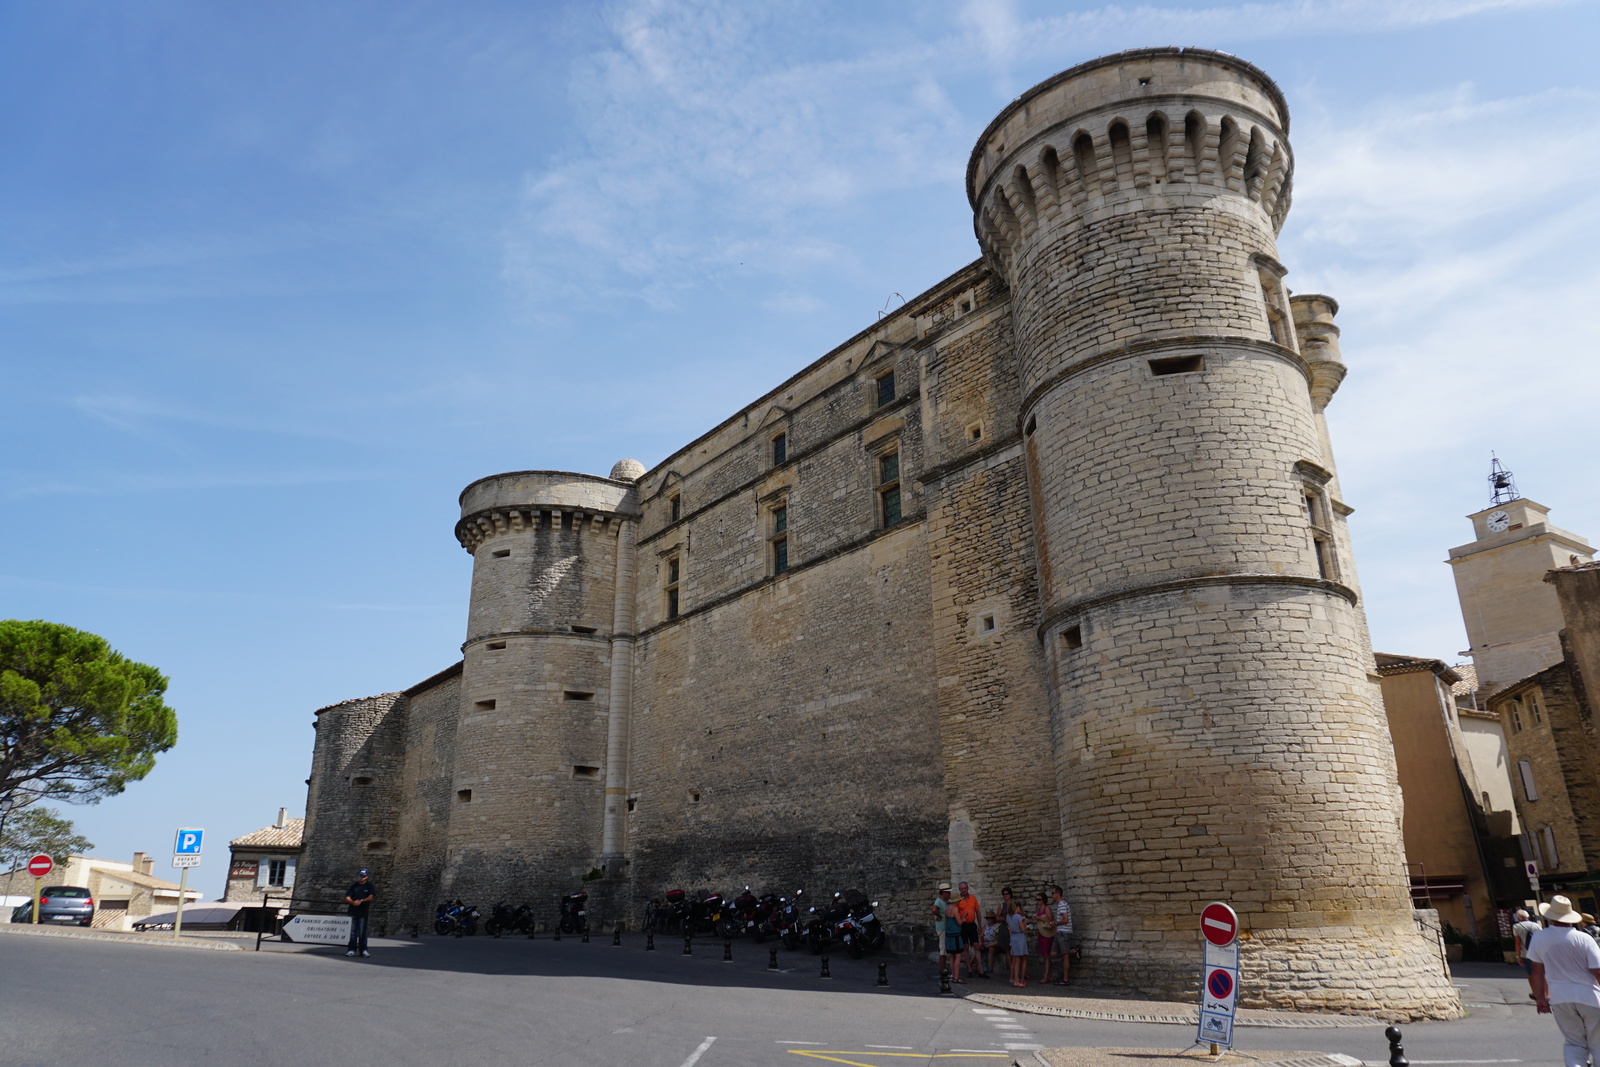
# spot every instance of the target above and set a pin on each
(188, 843)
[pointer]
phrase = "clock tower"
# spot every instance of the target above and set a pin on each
(1511, 613)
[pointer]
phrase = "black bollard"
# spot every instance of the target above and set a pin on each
(649, 940)
(413, 931)
(585, 935)
(944, 979)
(557, 936)
(772, 960)
(883, 974)
(825, 972)
(687, 949)
(1397, 1055)
(533, 928)
(616, 937)
(727, 951)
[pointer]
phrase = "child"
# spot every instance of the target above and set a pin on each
(1017, 931)
(991, 938)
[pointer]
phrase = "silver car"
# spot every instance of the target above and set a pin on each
(59, 904)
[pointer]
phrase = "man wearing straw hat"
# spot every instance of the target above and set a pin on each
(1566, 980)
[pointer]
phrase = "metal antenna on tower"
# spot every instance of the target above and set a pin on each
(1502, 487)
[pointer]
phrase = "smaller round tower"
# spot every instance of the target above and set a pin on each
(529, 789)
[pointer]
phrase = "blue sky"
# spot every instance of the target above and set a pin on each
(278, 281)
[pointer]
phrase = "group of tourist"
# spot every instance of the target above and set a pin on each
(973, 938)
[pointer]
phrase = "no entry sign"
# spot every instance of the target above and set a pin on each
(1219, 924)
(41, 865)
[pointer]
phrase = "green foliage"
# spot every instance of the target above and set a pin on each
(28, 832)
(77, 719)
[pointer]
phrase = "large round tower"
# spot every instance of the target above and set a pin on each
(1218, 736)
(528, 816)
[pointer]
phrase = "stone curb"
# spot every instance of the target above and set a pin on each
(1150, 1012)
(1044, 1058)
(28, 930)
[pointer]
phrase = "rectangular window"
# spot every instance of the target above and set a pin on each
(276, 871)
(780, 448)
(1533, 706)
(1515, 712)
(495, 646)
(674, 509)
(1177, 365)
(780, 520)
(673, 571)
(1529, 790)
(780, 555)
(584, 771)
(463, 796)
(886, 389)
(889, 488)
(1072, 637)
(574, 694)
(483, 705)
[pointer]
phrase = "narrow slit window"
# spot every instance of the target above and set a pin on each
(986, 622)
(674, 569)
(886, 389)
(483, 705)
(780, 539)
(584, 629)
(975, 432)
(463, 796)
(576, 694)
(1072, 637)
(495, 646)
(584, 770)
(889, 488)
(501, 553)
(1177, 365)
(674, 508)
(780, 449)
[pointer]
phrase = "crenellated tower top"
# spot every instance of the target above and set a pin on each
(1108, 131)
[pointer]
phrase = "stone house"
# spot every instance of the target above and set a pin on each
(1549, 719)
(1462, 854)
(265, 860)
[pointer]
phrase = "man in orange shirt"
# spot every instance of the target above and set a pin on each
(968, 912)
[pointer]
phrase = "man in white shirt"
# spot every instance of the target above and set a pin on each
(1523, 933)
(1566, 980)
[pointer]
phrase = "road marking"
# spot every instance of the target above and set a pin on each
(991, 1011)
(819, 1042)
(832, 1055)
(694, 1057)
(1023, 1048)
(1385, 1063)
(905, 1048)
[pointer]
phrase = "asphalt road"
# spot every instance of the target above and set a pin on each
(483, 1002)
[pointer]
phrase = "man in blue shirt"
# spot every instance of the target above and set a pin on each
(359, 898)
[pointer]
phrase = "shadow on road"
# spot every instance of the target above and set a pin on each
(571, 958)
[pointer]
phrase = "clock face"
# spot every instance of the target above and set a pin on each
(1499, 522)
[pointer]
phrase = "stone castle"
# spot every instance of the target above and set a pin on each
(1043, 577)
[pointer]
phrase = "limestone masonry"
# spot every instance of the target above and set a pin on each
(1044, 577)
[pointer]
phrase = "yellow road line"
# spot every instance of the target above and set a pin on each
(832, 1055)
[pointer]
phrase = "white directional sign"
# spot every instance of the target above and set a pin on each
(318, 929)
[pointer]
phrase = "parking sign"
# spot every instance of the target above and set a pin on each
(186, 847)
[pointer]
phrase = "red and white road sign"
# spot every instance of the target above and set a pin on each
(1219, 924)
(41, 865)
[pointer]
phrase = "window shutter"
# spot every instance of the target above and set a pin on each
(262, 872)
(1529, 790)
(1550, 849)
(288, 873)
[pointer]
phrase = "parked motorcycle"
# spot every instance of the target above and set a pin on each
(703, 916)
(788, 922)
(500, 920)
(743, 916)
(456, 919)
(575, 913)
(872, 934)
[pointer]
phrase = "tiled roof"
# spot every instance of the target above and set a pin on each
(1389, 664)
(286, 836)
(1469, 679)
(149, 881)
